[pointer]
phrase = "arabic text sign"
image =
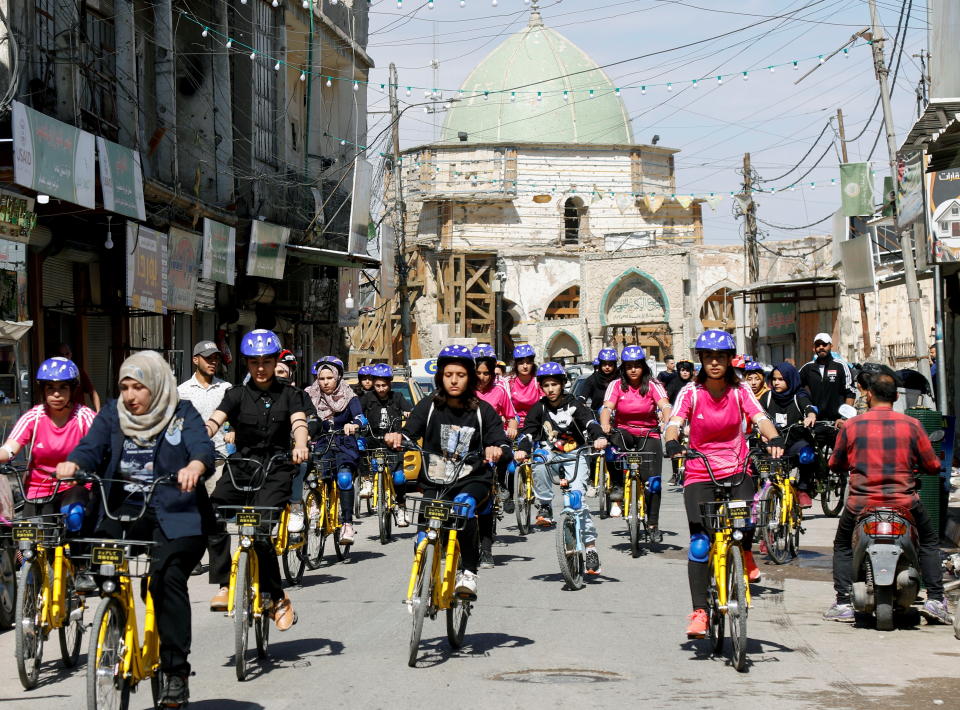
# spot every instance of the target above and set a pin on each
(219, 252)
(146, 269)
(268, 250)
(184, 267)
(121, 179)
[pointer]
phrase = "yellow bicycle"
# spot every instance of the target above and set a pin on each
(384, 499)
(322, 508)
(784, 516)
(602, 484)
(523, 496)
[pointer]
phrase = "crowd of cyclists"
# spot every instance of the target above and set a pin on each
(476, 422)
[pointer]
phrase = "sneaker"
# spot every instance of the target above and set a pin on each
(804, 499)
(295, 522)
(545, 516)
(175, 693)
(935, 611)
(591, 491)
(486, 560)
(697, 628)
(198, 570)
(366, 488)
(401, 517)
(656, 537)
(219, 601)
(347, 534)
(593, 561)
(466, 585)
(753, 572)
(616, 494)
(85, 584)
(840, 612)
(283, 614)
(616, 511)
(763, 547)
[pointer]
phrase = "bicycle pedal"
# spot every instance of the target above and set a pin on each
(467, 597)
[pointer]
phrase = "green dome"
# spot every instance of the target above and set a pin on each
(534, 55)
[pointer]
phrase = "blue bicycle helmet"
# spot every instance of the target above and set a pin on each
(364, 371)
(633, 353)
(551, 369)
(259, 343)
(58, 369)
(455, 353)
(596, 362)
(607, 355)
(753, 366)
(715, 340)
(382, 370)
(329, 361)
(522, 351)
(484, 352)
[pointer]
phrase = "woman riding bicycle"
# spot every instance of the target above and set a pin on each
(265, 414)
(364, 379)
(522, 385)
(641, 405)
(51, 431)
(604, 373)
(148, 434)
(338, 410)
(454, 422)
(385, 410)
(685, 373)
(715, 406)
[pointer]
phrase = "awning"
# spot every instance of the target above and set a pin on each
(12, 331)
(787, 291)
(937, 117)
(329, 257)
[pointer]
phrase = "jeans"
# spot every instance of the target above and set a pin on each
(929, 554)
(578, 474)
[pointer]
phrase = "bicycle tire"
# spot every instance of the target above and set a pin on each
(384, 515)
(8, 588)
(29, 635)
(242, 615)
(737, 608)
(71, 632)
(571, 560)
(715, 617)
(313, 548)
(294, 562)
(633, 521)
(458, 614)
(603, 493)
(104, 682)
(956, 624)
(261, 629)
(831, 497)
(775, 535)
(156, 686)
(522, 504)
(422, 593)
(796, 520)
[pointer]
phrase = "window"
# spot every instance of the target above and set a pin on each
(98, 68)
(955, 211)
(41, 83)
(574, 212)
(264, 85)
(944, 227)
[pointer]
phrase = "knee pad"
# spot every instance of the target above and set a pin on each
(470, 502)
(344, 480)
(653, 484)
(399, 479)
(699, 548)
(512, 467)
(73, 516)
(576, 500)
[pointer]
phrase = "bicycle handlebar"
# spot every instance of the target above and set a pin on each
(19, 474)
(91, 477)
(693, 453)
(261, 470)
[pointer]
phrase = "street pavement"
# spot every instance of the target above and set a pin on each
(530, 643)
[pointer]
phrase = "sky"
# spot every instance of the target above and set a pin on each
(713, 125)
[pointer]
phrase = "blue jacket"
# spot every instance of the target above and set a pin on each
(179, 514)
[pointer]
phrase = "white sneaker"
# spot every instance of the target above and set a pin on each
(346, 534)
(591, 491)
(295, 522)
(402, 521)
(366, 488)
(616, 511)
(466, 585)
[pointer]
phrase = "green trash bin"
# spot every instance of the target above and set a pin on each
(931, 487)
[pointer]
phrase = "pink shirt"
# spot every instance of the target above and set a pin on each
(636, 413)
(498, 398)
(51, 445)
(716, 429)
(524, 396)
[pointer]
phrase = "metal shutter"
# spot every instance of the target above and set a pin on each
(57, 281)
(99, 365)
(206, 295)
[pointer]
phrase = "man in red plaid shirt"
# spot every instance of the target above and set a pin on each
(883, 451)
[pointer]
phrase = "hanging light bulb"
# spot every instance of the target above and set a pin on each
(306, 4)
(617, 91)
(643, 90)
(513, 96)
(253, 55)
(303, 76)
(348, 301)
(430, 4)
(746, 76)
(409, 91)
(591, 93)
(771, 68)
(399, 4)
(796, 65)
(846, 53)
(343, 141)
(275, 3)
(463, 3)
(206, 31)
(494, 3)
(566, 95)
(356, 86)
(695, 84)
(820, 58)
(486, 95)
(719, 79)
(108, 244)
(539, 96)
(229, 43)
(669, 86)
(276, 67)
(328, 83)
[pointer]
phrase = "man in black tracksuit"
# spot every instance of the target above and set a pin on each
(830, 384)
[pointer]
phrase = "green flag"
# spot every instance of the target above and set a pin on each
(856, 189)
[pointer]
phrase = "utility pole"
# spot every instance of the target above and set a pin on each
(401, 229)
(751, 256)
(864, 324)
(906, 243)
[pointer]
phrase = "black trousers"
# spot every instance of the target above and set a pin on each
(274, 494)
(929, 554)
(74, 494)
(698, 573)
(172, 562)
(652, 446)
(469, 544)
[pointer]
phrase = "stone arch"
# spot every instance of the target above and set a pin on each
(565, 303)
(652, 304)
(563, 345)
(716, 307)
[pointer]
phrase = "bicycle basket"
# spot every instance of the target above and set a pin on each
(731, 515)
(444, 471)
(109, 557)
(250, 520)
(41, 530)
(380, 460)
(637, 462)
(767, 466)
(444, 514)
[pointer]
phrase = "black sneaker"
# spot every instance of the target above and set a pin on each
(656, 537)
(593, 561)
(486, 559)
(508, 506)
(85, 584)
(175, 693)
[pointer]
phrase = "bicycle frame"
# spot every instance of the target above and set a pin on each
(443, 583)
(140, 660)
(253, 563)
(53, 603)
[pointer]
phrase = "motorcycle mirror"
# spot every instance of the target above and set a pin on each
(937, 435)
(846, 411)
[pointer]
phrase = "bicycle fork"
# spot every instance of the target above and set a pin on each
(253, 567)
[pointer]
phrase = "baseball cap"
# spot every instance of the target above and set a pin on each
(823, 338)
(205, 348)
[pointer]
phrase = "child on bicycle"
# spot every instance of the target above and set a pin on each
(265, 414)
(561, 423)
(454, 423)
(522, 385)
(338, 410)
(364, 380)
(715, 406)
(641, 405)
(385, 410)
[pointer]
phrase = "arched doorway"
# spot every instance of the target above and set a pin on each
(564, 348)
(634, 311)
(574, 220)
(717, 311)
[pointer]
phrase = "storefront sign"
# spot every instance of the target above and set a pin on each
(146, 269)
(53, 157)
(219, 252)
(184, 270)
(779, 319)
(121, 179)
(268, 250)
(360, 207)
(17, 218)
(909, 187)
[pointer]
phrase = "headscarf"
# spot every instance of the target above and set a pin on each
(792, 378)
(151, 370)
(330, 404)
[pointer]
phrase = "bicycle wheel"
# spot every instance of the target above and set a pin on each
(313, 547)
(633, 521)
(737, 608)
(422, 592)
(457, 617)
(294, 562)
(384, 515)
(570, 559)
(522, 504)
(793, 537)
(715, 620)
(71, 632)
(29, 635)
(242, 615)
(106, 686)
(831, 497)
(774, 532)
(8, 587)
(261, 629)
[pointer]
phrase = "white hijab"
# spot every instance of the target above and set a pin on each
(150, 369)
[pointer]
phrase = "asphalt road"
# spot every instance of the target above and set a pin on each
(530, 643)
